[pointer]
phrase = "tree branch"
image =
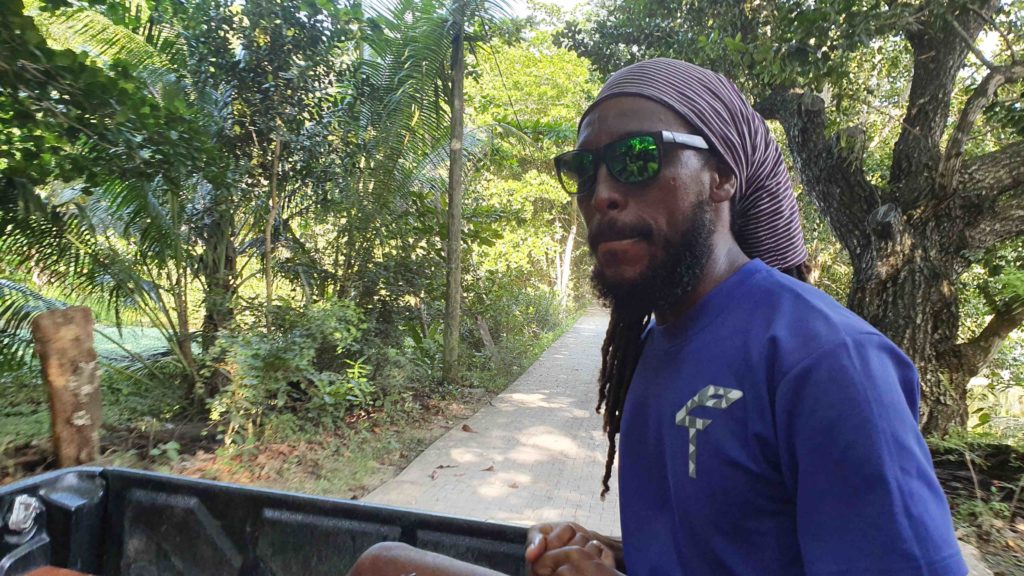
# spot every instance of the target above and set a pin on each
(979, 99)
(976, 353)
(830, 169)
(941, 38)
(1002, 33)
(970, 42)
(1004, 219)
(994, 173)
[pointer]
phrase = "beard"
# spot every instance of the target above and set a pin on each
(667, 280)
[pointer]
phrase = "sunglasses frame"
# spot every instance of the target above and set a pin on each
(599, 155)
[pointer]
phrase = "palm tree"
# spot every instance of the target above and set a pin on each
(116, 235)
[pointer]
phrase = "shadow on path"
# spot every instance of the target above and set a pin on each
(537, 451)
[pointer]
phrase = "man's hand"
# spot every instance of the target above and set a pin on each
(593, 559)
(572, 548)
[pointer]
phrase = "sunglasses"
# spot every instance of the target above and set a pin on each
(631, 160)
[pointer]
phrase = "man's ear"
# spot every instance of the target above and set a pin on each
(723, 182)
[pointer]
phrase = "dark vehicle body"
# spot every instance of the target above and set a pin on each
(126, 522)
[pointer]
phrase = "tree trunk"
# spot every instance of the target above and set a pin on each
(183, 333)
(268, 231)
(63, 342)
(912, 299)
(485, 335)
(565, 271)
(453, 297)
(219, 263)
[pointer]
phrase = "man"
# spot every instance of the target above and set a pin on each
(765, 430)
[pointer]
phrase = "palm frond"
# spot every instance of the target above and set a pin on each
(19, 305)
(69, 245)
(84, 30)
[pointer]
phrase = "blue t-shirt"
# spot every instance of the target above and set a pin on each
(770, 431)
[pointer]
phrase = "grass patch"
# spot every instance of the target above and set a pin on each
(24, 414)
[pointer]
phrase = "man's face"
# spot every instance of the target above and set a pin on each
(650, 241)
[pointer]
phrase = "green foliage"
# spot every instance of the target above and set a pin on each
(348, 104)
(529, 234)
(134, 396)
(995, 282)
(136, 393)
(286, 369)
(523, 324)
(534, 86)
(1003, 280)
(105, 216)
(24, 414)
(984, 510)
(18, 306)
(520, 208)
(424, 344)
(65, 118)
(158, 146)
(519, 285)
(168, 451)
(981, 516)
(791, 43)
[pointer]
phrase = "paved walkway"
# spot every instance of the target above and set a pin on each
(535, 454)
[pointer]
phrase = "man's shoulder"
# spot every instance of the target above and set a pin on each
(799, 320)
(802, 308)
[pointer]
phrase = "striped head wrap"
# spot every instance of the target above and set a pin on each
(764, 206)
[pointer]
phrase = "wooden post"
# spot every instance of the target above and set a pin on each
(63, 342)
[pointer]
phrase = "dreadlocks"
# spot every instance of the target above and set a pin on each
(620, 352)
(623, 344)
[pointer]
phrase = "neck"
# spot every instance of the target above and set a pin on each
(725, 259)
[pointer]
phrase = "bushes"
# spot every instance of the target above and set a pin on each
(325, 361)
(316, 364)
(307, 361)
(522, 323)
(412, 362)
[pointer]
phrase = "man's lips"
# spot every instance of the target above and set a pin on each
(610, 234)
(624, 249)
(613, 243)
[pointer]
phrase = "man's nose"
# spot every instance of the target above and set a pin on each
(608, 193)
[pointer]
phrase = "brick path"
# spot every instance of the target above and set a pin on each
(542, 438)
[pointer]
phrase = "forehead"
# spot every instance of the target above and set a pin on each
(624, 115)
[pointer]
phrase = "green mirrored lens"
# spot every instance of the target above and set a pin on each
(576, 169)
(634, 159)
